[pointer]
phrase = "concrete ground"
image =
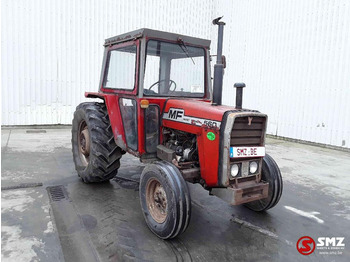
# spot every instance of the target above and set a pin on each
(48, 214)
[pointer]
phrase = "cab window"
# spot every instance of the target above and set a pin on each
(174, 69)
(121, 65)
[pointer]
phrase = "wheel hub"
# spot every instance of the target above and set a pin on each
(156, 200)
(84, 142)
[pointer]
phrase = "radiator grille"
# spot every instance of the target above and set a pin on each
(244, 134)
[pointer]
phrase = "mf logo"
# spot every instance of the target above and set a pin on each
(250, 119)
(175, 113)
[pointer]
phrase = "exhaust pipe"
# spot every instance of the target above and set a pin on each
(218, 67)
(239, 94)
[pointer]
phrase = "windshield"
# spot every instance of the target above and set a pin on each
(174, 70)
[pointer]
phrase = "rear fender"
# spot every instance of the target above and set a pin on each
(112, 104)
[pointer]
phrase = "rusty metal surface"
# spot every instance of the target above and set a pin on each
(191, 174)
(246, 192)
(165, 153)
(156, 200)
(84, 142)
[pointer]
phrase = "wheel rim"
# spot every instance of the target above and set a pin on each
(84, 143)
(156, 200)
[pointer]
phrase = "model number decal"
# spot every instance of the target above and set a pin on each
(210, 124)
(178, 115)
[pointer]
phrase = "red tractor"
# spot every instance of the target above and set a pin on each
(158, 105)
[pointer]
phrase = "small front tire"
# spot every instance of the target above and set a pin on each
(271, 174)
(165, 200)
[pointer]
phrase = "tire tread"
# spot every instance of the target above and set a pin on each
(104, 153)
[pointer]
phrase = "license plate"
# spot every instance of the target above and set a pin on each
(243, 151)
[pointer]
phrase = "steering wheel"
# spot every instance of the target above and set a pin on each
(171, 82)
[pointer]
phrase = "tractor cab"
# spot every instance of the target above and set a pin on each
(150, 63)
(143, 69)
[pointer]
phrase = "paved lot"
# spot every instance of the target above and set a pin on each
(65, 219)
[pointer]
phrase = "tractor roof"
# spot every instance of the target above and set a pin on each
(150, 33)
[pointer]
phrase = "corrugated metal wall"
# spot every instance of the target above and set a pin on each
(52, 50)
(294, 56)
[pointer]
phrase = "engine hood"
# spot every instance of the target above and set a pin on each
(194, 112)
(210, 125)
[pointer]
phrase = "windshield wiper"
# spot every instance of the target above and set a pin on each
(184, 48)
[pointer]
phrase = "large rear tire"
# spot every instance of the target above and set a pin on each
(165, 200)
(96, 156)
(271, 174)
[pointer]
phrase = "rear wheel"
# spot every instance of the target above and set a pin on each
(96, 156)
(271, 174)
(165, 200)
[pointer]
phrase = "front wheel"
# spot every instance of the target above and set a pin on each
(165, 200)
(271, 174)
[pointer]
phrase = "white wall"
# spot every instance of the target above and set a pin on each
(294, 56)
(52, 49)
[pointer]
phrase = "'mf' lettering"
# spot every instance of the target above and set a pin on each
(172, 113)
(175, 113)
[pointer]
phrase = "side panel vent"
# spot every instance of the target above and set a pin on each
(57, 193)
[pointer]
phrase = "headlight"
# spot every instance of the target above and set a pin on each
(253, 167)
(234, 170)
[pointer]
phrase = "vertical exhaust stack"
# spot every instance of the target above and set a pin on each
(239, 94)
(218, 67)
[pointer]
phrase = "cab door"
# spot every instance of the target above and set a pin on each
(120, 78)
